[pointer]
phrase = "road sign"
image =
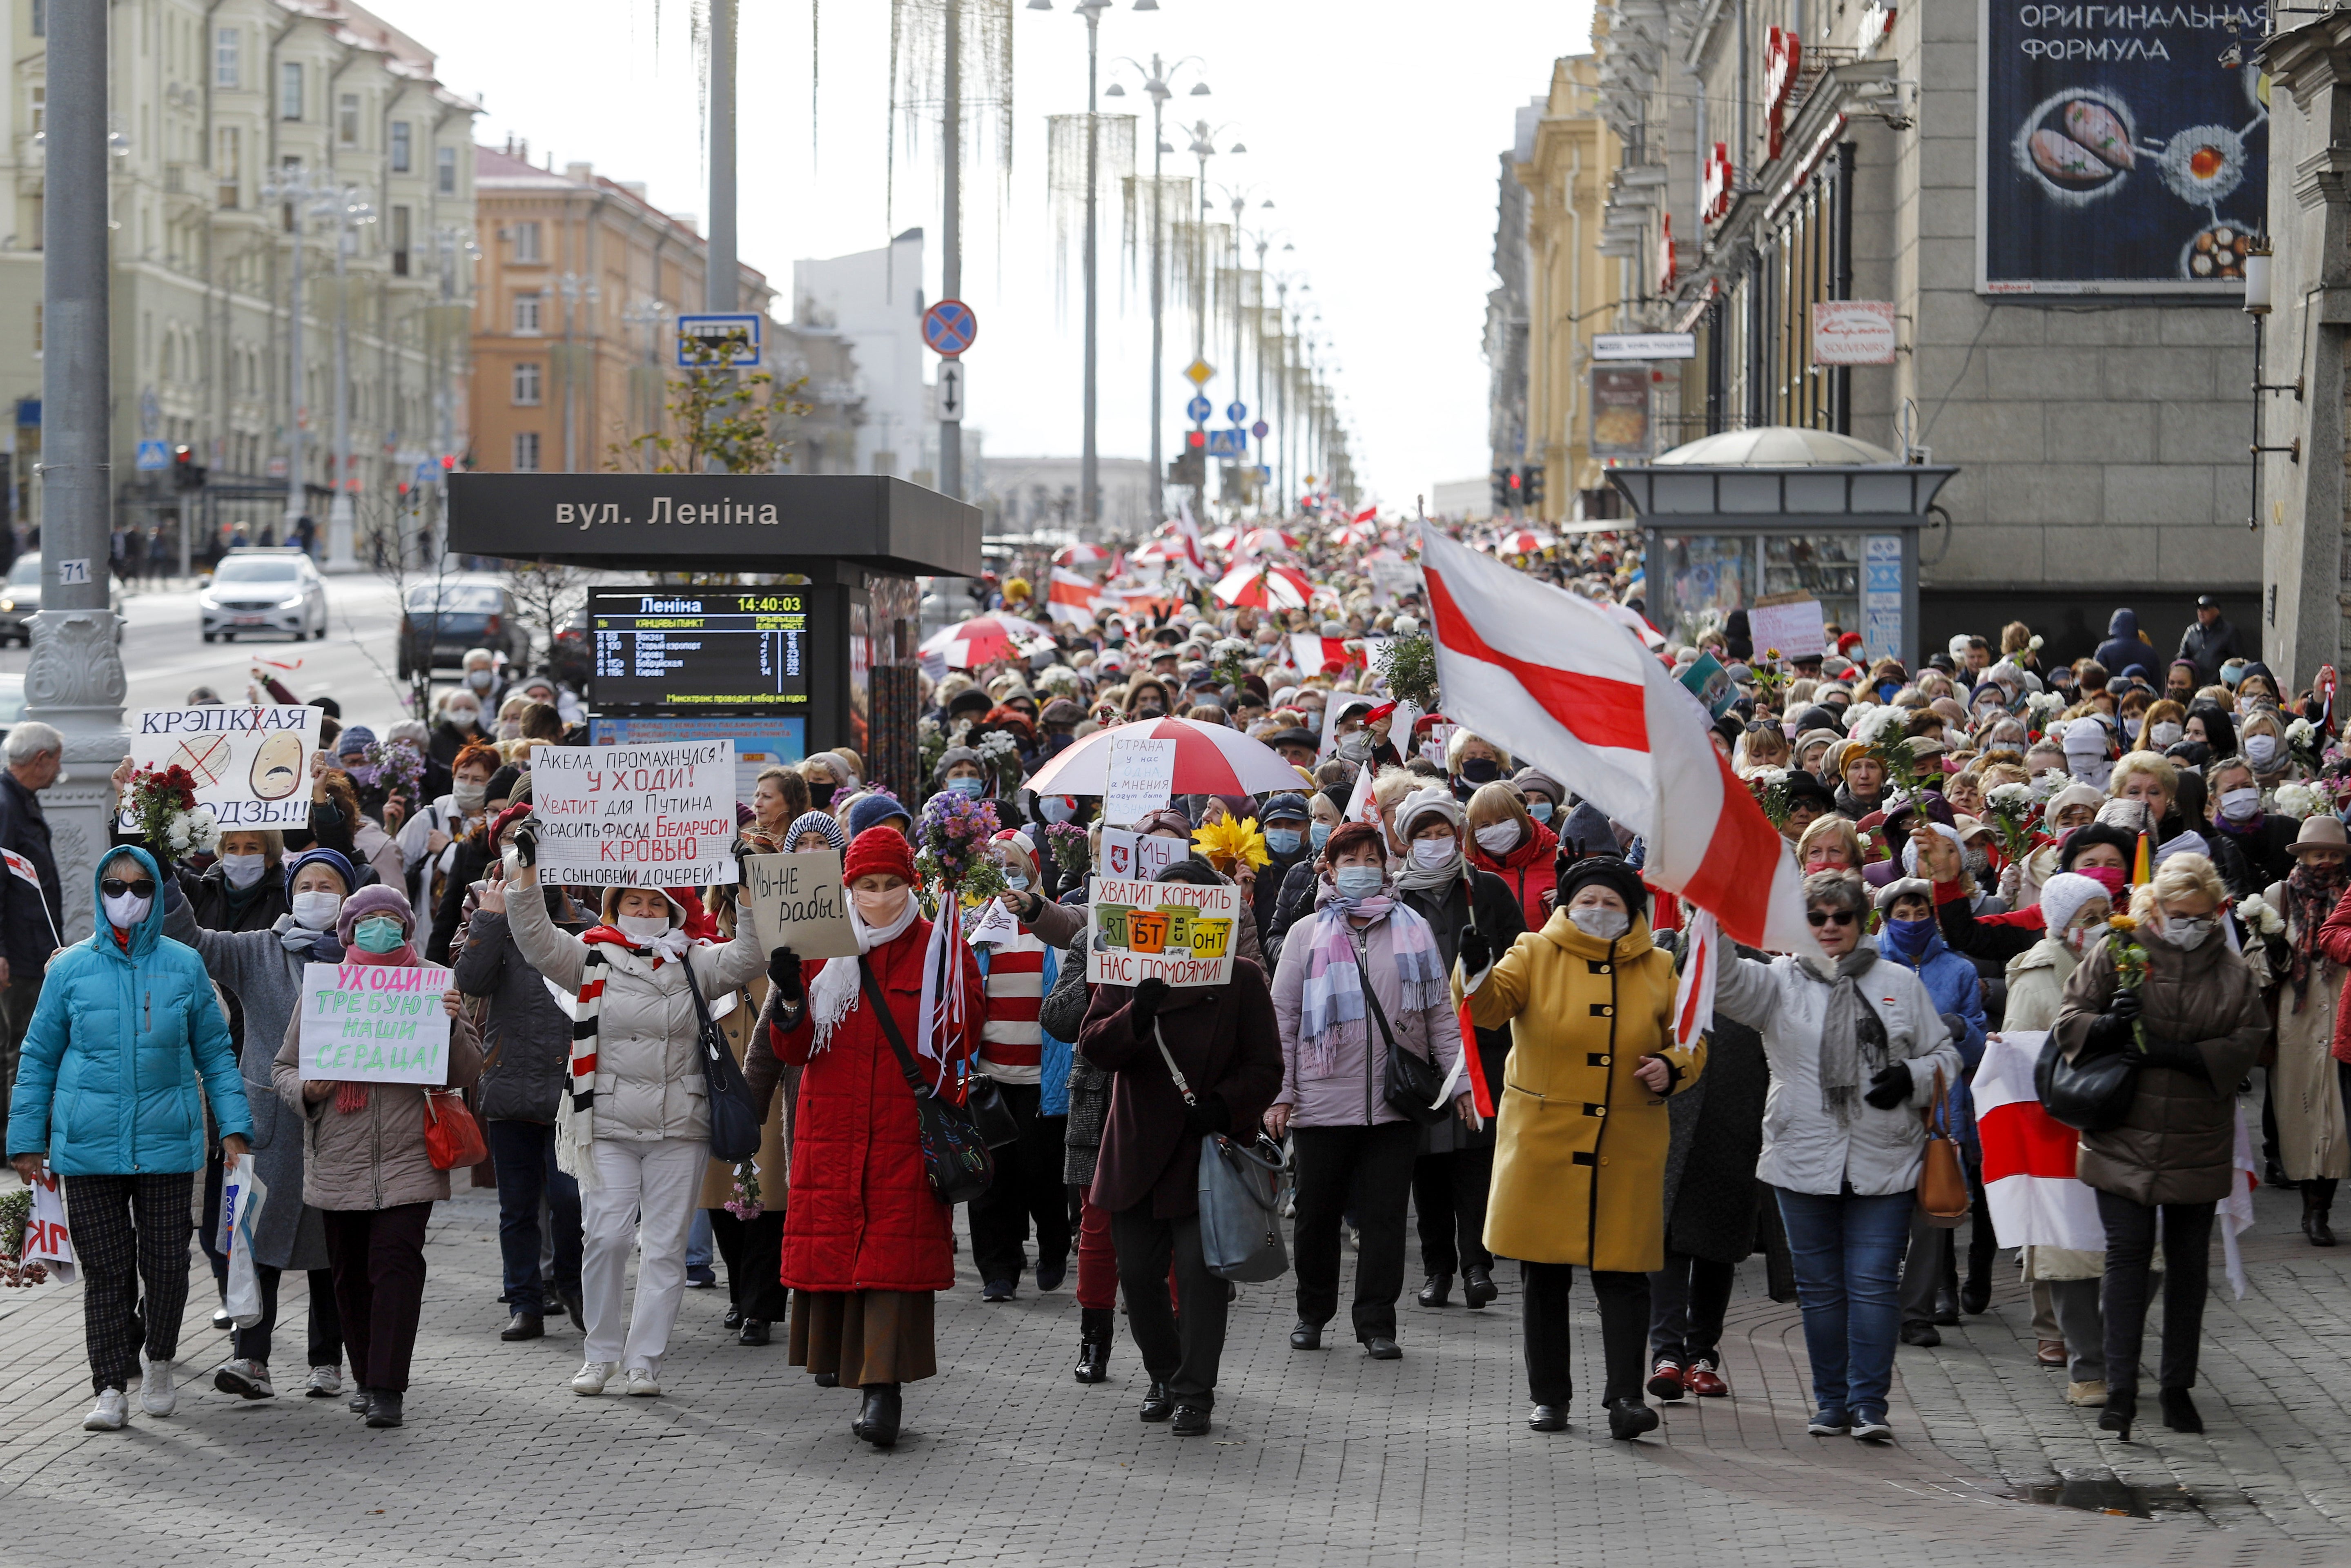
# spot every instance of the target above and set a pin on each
(1198, 410)
(1260, 429)
(1228, 443)
(739, 335)
(153, 455)
(1199, 370)
(949, 327)
(1237, 411)
(1644, 345)
(950, 392)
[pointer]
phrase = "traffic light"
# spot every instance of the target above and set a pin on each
(187, 473)
(1531, 486)
(1190, 468)
(1501, 489)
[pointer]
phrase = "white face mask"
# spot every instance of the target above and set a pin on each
(2261, 750)
(462, 715)
(2078, 938)
(1606, 924)
(243, 870)
(2164, 735)
(880, 910)
(1499, 838)
(468, 798)
(2240, 805)
(643, 928)
(128, 909)
(315, 911)
(1431, 854)
(2186, 932)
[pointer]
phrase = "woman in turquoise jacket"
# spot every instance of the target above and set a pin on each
(108, 1097)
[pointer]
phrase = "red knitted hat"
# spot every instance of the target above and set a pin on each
(879, 849)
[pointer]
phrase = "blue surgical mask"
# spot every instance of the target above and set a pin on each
(1318, 835)
(1313, 721)
(1017, 881)
(1056, 808)
(1355, 882)
(1538, 809)
(1282, 841)
(967, 786)
(378, 934)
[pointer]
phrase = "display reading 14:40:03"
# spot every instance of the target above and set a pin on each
(666, 647)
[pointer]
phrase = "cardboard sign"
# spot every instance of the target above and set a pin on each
(1798, 629)
(993, 924)
(1175, 931)
(1138, 857)
(374, 1023)
(251, 765)
(1141, 777)
(798, 903)
(636, 816)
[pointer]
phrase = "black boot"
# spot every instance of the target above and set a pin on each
(877, 1421)
(754, 1332)
(2122, 1406)
(1435, 1292)
(2178, 1411)
(383, 1408)
(1095, 1325)
(2317, 1202)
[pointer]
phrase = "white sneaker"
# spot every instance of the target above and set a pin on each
(592, 1378)
(326, 1383)
(157, 1396)
(110, 1414)
(642, 1384)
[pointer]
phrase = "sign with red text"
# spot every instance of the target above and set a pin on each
(1129, 856)
(636, 816)
(1852, 332)
(1172, 931)
(375, 1023)
(250, 764)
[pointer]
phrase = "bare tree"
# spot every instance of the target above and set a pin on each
(547, 594)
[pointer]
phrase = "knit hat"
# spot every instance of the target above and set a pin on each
(870, 811)
(954, 754)
(320, 855)
(354, 741)
(381, 899)
(2061, 897)
(879, 851)
(821, 823)
(501, 784)
(1609, 871)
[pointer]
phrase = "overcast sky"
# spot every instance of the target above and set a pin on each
(1374, 126)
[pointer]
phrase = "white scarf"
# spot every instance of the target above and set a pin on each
(835, 990)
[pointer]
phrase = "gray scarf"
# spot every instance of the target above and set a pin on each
(1849, 1033)
(1414, 877)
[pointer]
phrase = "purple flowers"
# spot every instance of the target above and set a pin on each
(954, 834)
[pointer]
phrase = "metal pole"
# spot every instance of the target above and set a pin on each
(721, 282)
(339, 509)
(951, 256)
(295, 411)
(74, 679)
(1239, 201)
(570, 462)
(1088, 464)
(1158, 298)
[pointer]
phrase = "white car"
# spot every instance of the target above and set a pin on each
(20, 601)
(264, 591)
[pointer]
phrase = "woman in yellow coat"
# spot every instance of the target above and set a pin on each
(1580, 1161)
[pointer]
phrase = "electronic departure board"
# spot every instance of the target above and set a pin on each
(700, 647)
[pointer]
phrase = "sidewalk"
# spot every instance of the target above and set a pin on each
(1325, 1457)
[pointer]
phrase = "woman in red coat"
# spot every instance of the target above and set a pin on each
(1511, 844)
(865, 1242)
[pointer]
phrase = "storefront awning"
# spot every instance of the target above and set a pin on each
(1779, 477)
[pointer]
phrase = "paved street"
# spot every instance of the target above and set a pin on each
(1316, 1458)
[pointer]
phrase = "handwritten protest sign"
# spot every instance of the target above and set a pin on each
(374, 1023)
(1141, 778)
(251, 765)
(1138, 857)
(1794, 627)
(636, 816)
(992, 923)
(1175, 931)
(799, 903)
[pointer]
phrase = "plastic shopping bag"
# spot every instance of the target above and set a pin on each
(47, 1240)
(243, 1194)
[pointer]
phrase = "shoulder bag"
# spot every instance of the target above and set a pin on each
(991, 1113)
(1241, 1192)
(1943, 1196)
(733, 1120)
(955, 1157)
(2089, 1094)
(1409, 1084)
(453, 1139)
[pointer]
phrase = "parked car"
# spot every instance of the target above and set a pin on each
(264, 591)
(20, 601)
(12, 703)
(442, 619)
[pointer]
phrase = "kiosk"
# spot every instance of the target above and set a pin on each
(826, 658)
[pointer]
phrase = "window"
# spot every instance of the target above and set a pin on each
(400, 160)
(526, 379)
(400, 242)
(226, 62)
(526, 314)
(525, 454)
(40, 18)
(229, 164)
(289, 90)
(40, 105)
(346, 120)
(444, 170)
(526, 243)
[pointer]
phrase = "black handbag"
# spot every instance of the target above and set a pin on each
(1409, 1084)
(733, 1120)
(955, 1157)
(2090, 1093)
(991, 1113)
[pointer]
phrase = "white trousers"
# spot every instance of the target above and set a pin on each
(645, 1194)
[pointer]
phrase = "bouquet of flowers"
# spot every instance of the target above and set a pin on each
(931, 744)
(2303, 741)
(2295, 800)
(16, 1213)
(1228, 843)
(2038, 707)
(2130, 964)
(1001, 755)
(951, 848)
(391, 764)
(2259, 918)
(1226, 659)
(2013, 810)
(1769, 787)
(160, 803)
(743, 1199)
(1071, 852)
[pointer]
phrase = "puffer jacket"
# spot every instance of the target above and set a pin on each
(649, 1083)
(1352, 1092)
(527, 1036)
(123, 1052)
(2178, 1142)
(1528, 872)
(1955, 988)
(375, 1156)
(2036, 985)
(1804, 1148)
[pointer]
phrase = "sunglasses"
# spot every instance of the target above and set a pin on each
(115, 887)
(1830, 916)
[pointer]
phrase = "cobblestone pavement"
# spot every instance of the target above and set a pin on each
(1316, 1458)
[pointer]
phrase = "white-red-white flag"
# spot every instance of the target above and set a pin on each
(1549, 679)
(1361, 805)
(2032, 1188)
(1188, 531)
(21, 868)
(1072, 598)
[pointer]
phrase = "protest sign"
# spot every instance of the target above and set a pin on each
(991, 923)
(1141, 778)
(1795, 628)
(799, 903)
(250, 764)
(374, 1023)
(1173, 931)
(636, 816)
(1138, 857)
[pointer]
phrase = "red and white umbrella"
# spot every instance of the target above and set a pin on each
(1523, 541)
(982, 640)
(1267, 541)
(1266, 588)
(1079, 555)
(1210, 759)
(1351, 537)
(1158, 552)
(1221, 540)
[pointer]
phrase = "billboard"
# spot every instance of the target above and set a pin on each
(2116, 153)
(1620, 411)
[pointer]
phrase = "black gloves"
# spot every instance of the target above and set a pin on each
(1210, 1116)
(2111, 1031)
(784, 974)
(2179, 1055)
(1889, 1087)
(1143, 1006)
(2124, 1004)
(526, 846)
(1956, 1026)
(1477, 952)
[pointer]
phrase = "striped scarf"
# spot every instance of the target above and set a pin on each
(1331, 1010)
(575, 1113)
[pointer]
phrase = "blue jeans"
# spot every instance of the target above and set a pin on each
(700, 1248)
(524, 1153)
(1848, 1251)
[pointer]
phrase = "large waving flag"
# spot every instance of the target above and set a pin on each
(1551, 680)
(1072, 598)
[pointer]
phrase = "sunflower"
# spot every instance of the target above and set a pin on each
(1228, 844)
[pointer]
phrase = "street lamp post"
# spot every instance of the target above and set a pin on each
(303, 197)
(450, 242)
(1204, 148)
(1158, 81)
(350, 210)
(574, 287)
